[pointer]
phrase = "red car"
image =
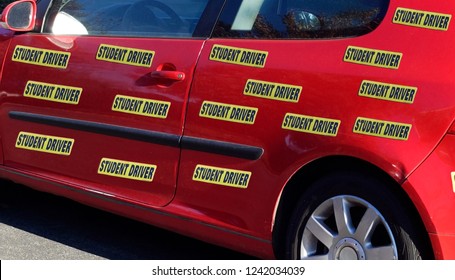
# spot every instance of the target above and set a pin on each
(314, 129)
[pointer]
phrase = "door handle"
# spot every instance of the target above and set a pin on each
(168, 75)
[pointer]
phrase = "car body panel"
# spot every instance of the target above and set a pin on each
(436, 184)
(442, 246)
(222, 151)
(124, 96)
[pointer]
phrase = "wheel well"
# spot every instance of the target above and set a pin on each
(298, 184)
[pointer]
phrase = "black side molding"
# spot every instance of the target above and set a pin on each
(101, 128)
(222, 148)
(165, 139)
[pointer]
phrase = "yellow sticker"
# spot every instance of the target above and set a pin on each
(310, 124)
(127, 169)
(228, 112)
(390, 92)
(384, 129)
(141, 106)
(44, 143)
(41, 57)
(128, 56)
(275, 91)
(239, 56)
(422, 19)
(452, 175)
(373, 57)
(53, 92)
(222, 176)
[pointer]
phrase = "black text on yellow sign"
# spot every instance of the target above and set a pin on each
(141, 106)
(390, 92)
(381, 128)
(41, 57)
(239, 56)
(127, 169)
(275, 91)
(422, 19)
(222, 176)
(310, 124)
(128, 56)
(228, 112)
(53, 92)
(44, 143)
(373, 57)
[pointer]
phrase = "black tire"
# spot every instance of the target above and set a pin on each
(352, 216)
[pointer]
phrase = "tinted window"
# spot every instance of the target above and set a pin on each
(300, 18)
(163, 18)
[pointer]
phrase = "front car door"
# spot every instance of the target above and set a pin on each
(96, 98)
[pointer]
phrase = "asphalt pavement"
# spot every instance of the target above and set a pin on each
(40, 226)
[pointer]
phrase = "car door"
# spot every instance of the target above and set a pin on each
(96, 100)
(274, 90)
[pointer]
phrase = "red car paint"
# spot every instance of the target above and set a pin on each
(325, 111)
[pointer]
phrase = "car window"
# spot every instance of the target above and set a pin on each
(309, 19)
(138, 18)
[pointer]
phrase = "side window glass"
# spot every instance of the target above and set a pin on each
(135, 18)
(307, 19)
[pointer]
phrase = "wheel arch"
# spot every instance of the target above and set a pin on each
(319, 168)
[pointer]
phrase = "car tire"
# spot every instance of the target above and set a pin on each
(353, 216)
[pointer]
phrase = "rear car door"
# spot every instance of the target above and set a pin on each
(294, 79)
(96, 98)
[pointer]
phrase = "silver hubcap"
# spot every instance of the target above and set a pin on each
(348, 249)
(347, 228)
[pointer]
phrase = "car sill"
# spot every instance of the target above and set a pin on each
(120, 202)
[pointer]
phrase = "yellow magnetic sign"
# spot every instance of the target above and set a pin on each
(44, 143)
(222, 176)
(373, 57)
(422, 19)
(127, 169)
(239, 56)
(41, 57)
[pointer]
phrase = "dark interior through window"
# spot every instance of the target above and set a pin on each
(310, 19)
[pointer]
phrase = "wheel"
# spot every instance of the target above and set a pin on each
(352, 217)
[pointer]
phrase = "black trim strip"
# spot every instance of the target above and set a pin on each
(100, 128)
(222, 148)
(165, 139)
